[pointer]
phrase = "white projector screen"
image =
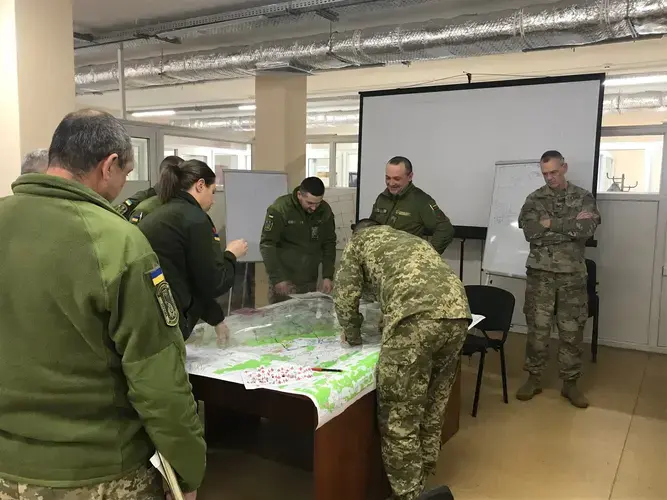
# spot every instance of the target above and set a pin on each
(455, 135)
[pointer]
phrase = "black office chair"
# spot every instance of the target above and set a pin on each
(497, 306)
(593, 305)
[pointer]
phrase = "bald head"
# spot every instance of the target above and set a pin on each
(36, 161)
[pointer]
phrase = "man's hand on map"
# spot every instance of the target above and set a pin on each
(284, 288)
(327, 286)
(222, 334)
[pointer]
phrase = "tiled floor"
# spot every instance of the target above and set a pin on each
(543, 449)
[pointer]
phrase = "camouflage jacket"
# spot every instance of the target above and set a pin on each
(414, 212)
(560, 248)
(404, 272)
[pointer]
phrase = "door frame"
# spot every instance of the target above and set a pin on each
(655, 320)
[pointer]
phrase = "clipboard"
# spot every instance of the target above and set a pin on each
(165, 468)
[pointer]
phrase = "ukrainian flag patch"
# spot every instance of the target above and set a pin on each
(157, 276)
(164, 297)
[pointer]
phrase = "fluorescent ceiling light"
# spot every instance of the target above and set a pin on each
(161, 112)
(247, 107)
(624, 81)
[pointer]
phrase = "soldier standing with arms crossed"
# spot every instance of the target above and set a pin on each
(426, 317)
(406, 207)
(557, 220)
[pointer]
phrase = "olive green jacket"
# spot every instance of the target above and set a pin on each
(561, 247)
(414, 212)
(404, 272)
(92, 363)
(129, 205)
(143, 209)
(294, 243)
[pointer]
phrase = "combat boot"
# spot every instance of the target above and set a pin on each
(439, 493)
(531, 388)
(571, 392)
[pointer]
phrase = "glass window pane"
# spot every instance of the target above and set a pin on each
(317, 161)
(346, 164)
(216, 154)
(631, 164)
(140, 172)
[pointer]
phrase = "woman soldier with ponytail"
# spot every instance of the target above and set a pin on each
(188, 246)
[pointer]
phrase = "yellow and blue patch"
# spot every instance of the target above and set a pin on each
(216, 237)
(157, 276)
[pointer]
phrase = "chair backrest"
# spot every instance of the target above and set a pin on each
(591, 269)
(495, 304)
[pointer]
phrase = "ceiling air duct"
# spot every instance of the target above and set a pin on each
(557, 25)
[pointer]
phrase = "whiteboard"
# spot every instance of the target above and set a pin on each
(506, 248)
(454, 135)
(248, 193)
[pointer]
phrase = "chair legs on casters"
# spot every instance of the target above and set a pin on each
(480, 372)
(503, 373)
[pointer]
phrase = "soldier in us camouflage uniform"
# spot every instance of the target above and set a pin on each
(556, 219)
(426, 315)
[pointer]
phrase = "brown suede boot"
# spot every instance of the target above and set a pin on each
(529, 389)
(571, 392)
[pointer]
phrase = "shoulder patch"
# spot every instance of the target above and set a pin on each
(164, 297)
(433, 206)
(122, 208)
(268, 223)
(136, 218)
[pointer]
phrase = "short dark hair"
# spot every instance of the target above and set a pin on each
(312, 185)
(176, 178)
(363, 224)
(397, 160)
(170, 160)
(552, 154)
(84, 138)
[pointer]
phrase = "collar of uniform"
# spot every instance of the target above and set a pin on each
(184, 195)
(57, 187)
(407, 189)
(556, 192)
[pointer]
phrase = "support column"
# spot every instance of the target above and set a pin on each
(280, 139)
(37, 85)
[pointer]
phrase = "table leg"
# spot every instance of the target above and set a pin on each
(347, 462)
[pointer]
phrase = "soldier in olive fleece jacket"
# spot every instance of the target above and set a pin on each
(299, 233)
(91, 357)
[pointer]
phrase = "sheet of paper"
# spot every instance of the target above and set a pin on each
(476, 319)
(155, 462)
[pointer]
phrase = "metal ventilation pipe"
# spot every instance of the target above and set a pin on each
(330, 119)
(563, 24)
(649, 101)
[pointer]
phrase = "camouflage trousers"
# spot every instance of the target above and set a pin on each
(275, 297)
(415, 374)
(566, 295)
(142, 484)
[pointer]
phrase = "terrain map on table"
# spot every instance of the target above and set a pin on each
(302, 331)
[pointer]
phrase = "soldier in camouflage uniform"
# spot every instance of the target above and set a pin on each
(556, 219)
(426, 315)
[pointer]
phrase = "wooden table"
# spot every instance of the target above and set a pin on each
(344, 453)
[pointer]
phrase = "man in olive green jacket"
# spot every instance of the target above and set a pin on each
(131, 205)
(91, 357)
(299, 233)
(406, 207)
